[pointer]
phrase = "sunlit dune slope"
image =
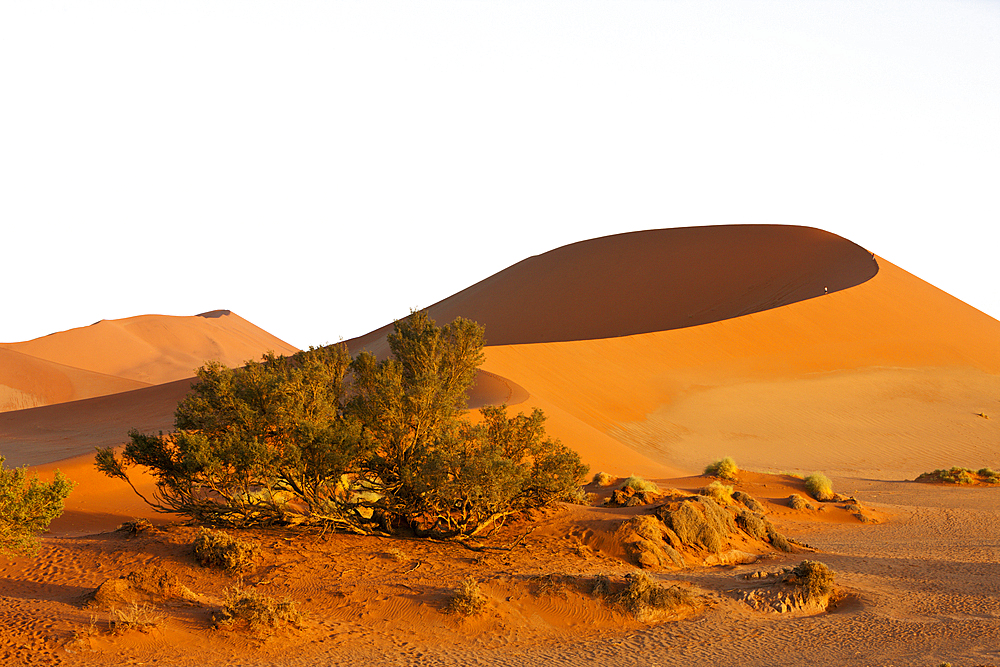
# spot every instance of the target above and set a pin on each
(675, 347)
(118, 355)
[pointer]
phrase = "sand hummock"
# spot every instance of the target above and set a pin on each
(654, 353)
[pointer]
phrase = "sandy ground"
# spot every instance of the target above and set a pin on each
(790, 349)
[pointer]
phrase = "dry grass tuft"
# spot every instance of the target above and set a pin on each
(260, 613)
(644, 598)
(468, 599)
(717, 491)
(814, 579)
(819, 486)
(604, 479)
(749, 502)
(219, 549)
(397, 555)
(725, 468)
(797, 502)
(135, 526)
(640, 485)
(141, 617)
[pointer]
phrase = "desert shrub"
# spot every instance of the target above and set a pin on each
(603, 479)
(219, 549)
(815, 580)
(717, 491)
(725, 468)
(363, 444)
(579, 496)
(27, 507)
(135, 616)
(819, 486)
(640, 485)
(748, 501)
(954, 475)
(134, 527)
(642, 597)
(797, 502)
(989, 475)
(259, 612)
(468, 599)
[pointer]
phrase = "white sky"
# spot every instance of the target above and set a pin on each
(322, 167)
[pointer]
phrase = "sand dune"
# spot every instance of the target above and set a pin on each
(655, 352)
(148, 349)
(28, 382)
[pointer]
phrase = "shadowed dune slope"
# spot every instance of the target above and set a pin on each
(55, 432)
(654, 280)
(27, 382)
(119, 355)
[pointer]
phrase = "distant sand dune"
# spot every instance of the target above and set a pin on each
(119, 355)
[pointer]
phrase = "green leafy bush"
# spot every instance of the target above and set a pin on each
(363, 444)
(27, 507)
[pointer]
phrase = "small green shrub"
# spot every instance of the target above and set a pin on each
(578, 496)
(819, 486)
(27, 506)
(604, 479)
(725, 468)
(259, 612)
(954, 475)
(640, 485)
(219, 549)
(468, 600)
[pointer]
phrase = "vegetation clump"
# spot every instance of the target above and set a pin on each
(467, 599)
(819, 486)
(366, 445)
(258, 612)
(698, 522)
(142, 617)
(749, 502)
(814, 579)
(717, 491)
(963, 476)
(639, 485)
(797, 502)
(220, 549)
(27, 507)
(644, 598)
(724, 468)
(603, 479)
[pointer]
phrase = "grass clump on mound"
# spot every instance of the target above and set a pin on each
(260, 613)
(724, 468)
(604, 479)
(644, 598)
(717, 491)
(797, 502)
(814, 579)
(220, 549)
(142, 617)
(702, 522)
(819, 486)
(468, 599)
(640, 485)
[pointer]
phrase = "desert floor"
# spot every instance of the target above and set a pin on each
(921, 587)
